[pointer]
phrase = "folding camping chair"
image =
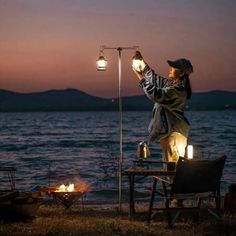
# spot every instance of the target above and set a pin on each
(195, 180)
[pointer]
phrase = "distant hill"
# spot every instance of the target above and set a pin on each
(52, 100)
(214, 100)
(76, 100)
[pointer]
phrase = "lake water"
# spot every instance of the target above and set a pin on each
(52, 148)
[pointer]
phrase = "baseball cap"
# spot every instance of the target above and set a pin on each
(182, 64)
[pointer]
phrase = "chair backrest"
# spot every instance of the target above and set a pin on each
(197, 176)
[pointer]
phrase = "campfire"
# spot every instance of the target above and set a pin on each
(67, 195)
(64, 188)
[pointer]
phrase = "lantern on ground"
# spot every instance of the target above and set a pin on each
(190, 152)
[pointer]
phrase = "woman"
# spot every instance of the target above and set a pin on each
(168, 124)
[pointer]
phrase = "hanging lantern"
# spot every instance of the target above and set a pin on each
(101, 63)
(136, 62)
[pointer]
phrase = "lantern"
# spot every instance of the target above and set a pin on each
(101, 63)
(190, 152)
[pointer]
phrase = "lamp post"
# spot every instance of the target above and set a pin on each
(101, 66)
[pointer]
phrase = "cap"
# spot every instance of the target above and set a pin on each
(182, 64)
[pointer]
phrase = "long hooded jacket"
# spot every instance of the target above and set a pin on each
(168, 111)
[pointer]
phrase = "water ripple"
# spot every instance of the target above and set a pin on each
(47, 148)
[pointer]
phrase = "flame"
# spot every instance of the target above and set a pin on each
(81, 187)
(64, 188)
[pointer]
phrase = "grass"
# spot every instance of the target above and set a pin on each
(55, 220)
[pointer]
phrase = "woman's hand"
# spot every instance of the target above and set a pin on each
(138, 74)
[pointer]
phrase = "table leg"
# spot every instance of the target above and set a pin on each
(131, 194)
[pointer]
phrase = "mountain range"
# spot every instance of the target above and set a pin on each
(76, 100)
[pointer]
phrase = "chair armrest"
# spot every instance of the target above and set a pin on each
(162, 180)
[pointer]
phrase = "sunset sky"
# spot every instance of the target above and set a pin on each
(54, 44)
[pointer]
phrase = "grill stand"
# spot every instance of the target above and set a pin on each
(67, 199)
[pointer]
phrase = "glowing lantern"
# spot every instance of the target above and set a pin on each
(101, 63)
(136, 64)
(136, 61)
(190, 152)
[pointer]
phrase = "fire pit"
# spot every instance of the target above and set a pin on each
(68, 195)
(67, 198)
